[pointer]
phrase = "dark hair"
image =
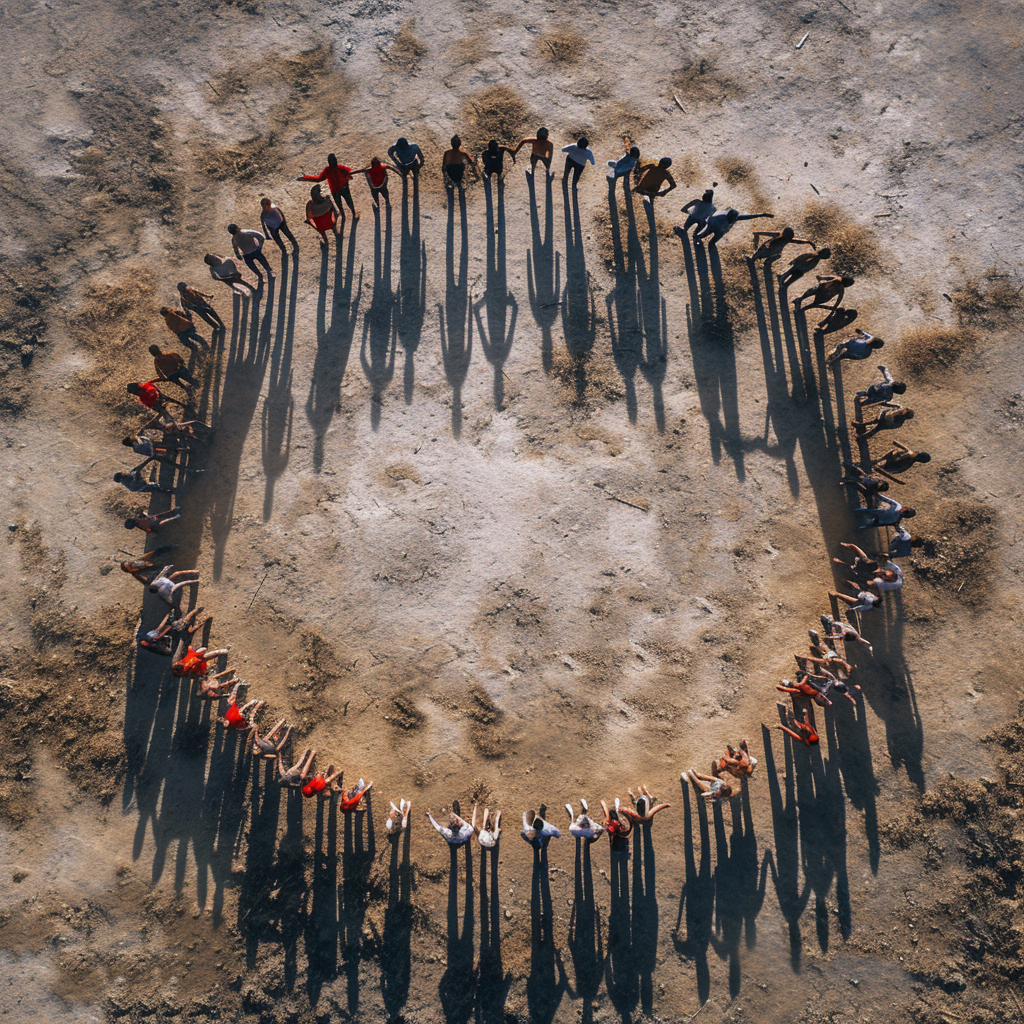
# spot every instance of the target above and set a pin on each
(133, 389)
(154, 350)
(847, 281)
(493, 146)
(403, 141)
(709, 194)
(635, 152)
(182, 286)
(899, 388)
(117, 477)
(923, 457)
(582, 142)
(456, 142)
(732, 215)
(209, 259)
(130, 524)
(909, 513)
(878, 343)
(232, 228)
(788, 232)
(824, 252)
(264, 199)
(542, 133)
(332, 159)
(665, 161)
(909, 414)
(127, 442)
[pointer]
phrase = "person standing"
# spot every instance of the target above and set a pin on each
(406, 156)
(377, 175)
(274, 225)
(652, 177)
(577, 156)
(626, 163)
(320, 214)
(454, 163)
(248, 244)
(338, 177)
(196, 301)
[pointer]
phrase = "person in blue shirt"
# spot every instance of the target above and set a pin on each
(883, 390)
(889, 513)
(860, 346)
(622, 167)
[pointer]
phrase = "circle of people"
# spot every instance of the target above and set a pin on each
(821, 672)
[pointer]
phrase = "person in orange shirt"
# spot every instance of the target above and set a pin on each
(179, 323)
(171, 367)
(338, 177)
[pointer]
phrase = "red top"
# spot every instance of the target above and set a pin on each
(235, 717)
(150, 396)
(315, 784)
(194, 665)
(377, 175)
(337, 177)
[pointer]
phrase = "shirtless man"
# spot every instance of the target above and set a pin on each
(406, 156)
(492, 160)
(805, 687)
(582, 826)
(800, 729)
(540, 149)
(860, 346)
(737, 761)
(152, 523)
(454, 163)
(721, 223)
(645, 806)
(199, 302)
(775, 241)
(270, 745)
(830, 288)
(173, 630)
(836, 629)
(866, 484)
(899, 459)
(891, 418)
(698, 211)
(803, 264)
(710, 787)
(652, 177)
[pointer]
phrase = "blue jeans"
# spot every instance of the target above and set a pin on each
(252, 258)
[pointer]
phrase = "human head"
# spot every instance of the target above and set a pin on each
(456, 142)
(825, 252)
(732, 215)
(165, 309)
(909, 414)
(332, 160)
(182, 286)
(130, 524)
(265, 203)
(402, 143)
(922, 457)
(883, 485)
(178, 669)
(232, 229)
(133, 389)
(909, 513)
(788, 233)
(899, 388)
(665, 162)
(635, 152)
(492, 146)
(127, 442)
(375, 162)
(846, 281)
(315, 193)
(582, 142)
(878, 343)
(709, 194)
(542, 134)
(209, 259)
(117, 477)
(154, 350)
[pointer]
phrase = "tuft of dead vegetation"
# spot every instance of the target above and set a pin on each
(497, 112)
(988, 302)
(470, 49)
(736, 171)
(701, 82)
(854, 247)
(408, 49)
(932, 351)
(562, 45)
(959, 555)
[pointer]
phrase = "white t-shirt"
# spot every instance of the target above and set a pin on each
(247, 241)
(222, 269)
(273, 218)
(580, 156)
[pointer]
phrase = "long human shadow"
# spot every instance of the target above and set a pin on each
(497, 337)
(256, 922)
(456, 316)
(785, 862)
(322, 920)
(542, 269)
(278, 406)
(493, 982)
(412, 283)
(653, 320)
(358, 852)
(380, 333)
(624, 317)
(579, 312)
(290, 904)
(333, 342)
(585, 934)
(457, 988)
(396, 944)
(697, 899)
(621, 977)
(645, 915)
(546, 983)
(713, 353)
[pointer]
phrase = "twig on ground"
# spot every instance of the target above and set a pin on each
(258, 589)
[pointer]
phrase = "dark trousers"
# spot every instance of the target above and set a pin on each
(276, 233)
(378, 192)
(252, 258)
(346, 195)
(577, 170)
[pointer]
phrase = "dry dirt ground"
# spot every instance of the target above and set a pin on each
(514, 501)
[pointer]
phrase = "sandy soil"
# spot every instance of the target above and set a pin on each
(513, 500)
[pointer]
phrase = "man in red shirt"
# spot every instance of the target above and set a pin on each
(337, 176)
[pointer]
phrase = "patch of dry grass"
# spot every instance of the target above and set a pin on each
(988, 301)
(700, 81)
(562, 45)
(854, 247)
(933, 351)
(408, 49)
(470, 49)
(497, 112)
(736, 171)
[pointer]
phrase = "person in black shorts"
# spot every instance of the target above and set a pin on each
(454, 162)
(492, 159)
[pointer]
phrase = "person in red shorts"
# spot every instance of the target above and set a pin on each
(321, 785)
(338, 177)
(320, 214)
(242, 718)
(152, 397)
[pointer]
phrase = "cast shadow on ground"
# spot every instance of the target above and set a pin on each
(457, 988)
(579, 312)
(542, 268)
(547, 981)
(396, 945)
(501, 306)
(456, 316)
(380, 329)
(412, 283)
(333, 342)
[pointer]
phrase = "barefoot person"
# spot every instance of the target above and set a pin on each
(861, 346)
(719, 224)
(321, 785)
(577, 156)
(299, 773)
(457, 832)
(179, 323)
(881, 391)
(710, 787)
(774, 242)
(698, 211)
(138, 483)
(865, 601)
(803, 264)
(196, 301)
(536, 831)
(352, 799)
(270, 745)
(891, 418)
(405, 157)
(274, 224)
(454, 164)
(488, 834)
(540, 149)
(582, 825)
(492, 159)
(376, 173)
(626, 163)
(801, 730)
(248, 245)
(899, 459)
(225, 271)
(166, 586)
(836, 629)
(737, 761)
(398, 819)
(320, 214)
(830, 288)
(152, 523)
(338, 177)
(616, 824)
(653, 177)
(195, 661)
(645, 806)
(171, 367)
